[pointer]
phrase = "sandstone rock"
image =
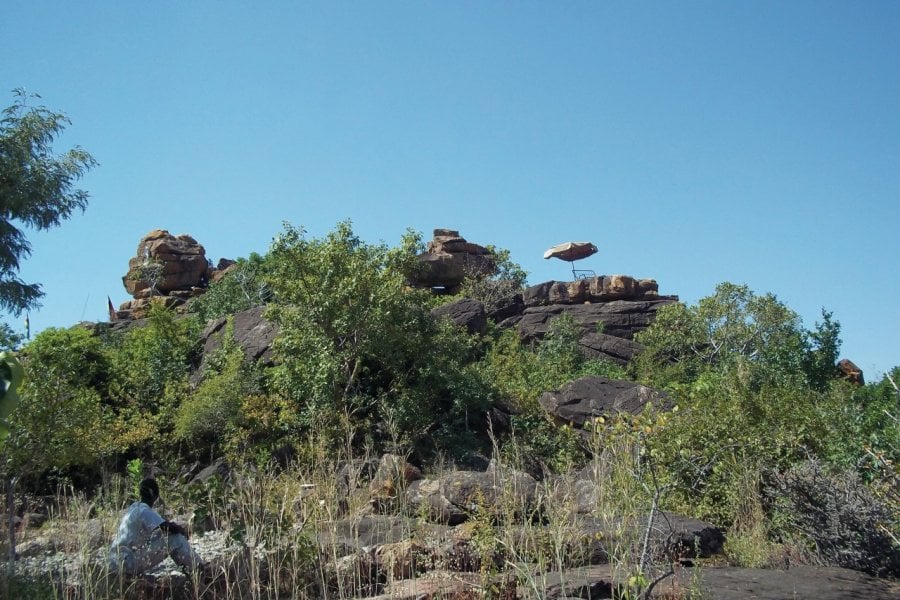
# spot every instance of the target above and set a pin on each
(505, 308)
(609, 347)
(447, 260)
(800, 582)
(465, 312)
(604, 288)
(618, 318)
(849, 371)
(180, 260)
(393, 476)
(139, 308)
(438, 585)
(589, 397)
(568, 292)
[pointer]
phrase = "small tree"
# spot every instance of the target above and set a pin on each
(736, 330)
(36, 189)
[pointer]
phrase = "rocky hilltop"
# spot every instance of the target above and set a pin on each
(173, 268)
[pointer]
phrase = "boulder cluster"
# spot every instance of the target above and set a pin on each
(173, 268)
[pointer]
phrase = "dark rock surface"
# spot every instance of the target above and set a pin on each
(800, 583)
(619, 318)
(252, 332)
(589, 397)
(465, 312)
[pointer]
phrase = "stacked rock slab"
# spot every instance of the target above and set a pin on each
(167, 267)
(448, 259)
(609, 310)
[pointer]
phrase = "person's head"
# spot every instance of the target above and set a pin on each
(149, 490)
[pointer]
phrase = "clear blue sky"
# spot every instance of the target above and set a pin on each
(693, 142)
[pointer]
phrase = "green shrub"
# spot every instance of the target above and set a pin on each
(149, 371)
(735, 329)
(59, 422)
(209, 417)
(355, 343)
(243, 287)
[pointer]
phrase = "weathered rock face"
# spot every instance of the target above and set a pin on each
(849, 371)
(170, 267)
(252, 332)
(619, 305)
(603, 288)
(465, 312)
(448, 259)
(180, 261)
(589, 397)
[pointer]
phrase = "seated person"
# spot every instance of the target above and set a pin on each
(145, 539)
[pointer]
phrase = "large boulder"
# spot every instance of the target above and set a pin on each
(252, 332)
(168, 261)
(619, 318)
(587, 398)
(465, 312)
(448, 259)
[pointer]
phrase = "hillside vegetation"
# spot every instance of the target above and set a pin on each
(762, 437)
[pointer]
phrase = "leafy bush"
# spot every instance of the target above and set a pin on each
(59, 422)
(734, 329)
(518, 376)
(206, 418)
(356, 343)
(149, 370)
(243, 287)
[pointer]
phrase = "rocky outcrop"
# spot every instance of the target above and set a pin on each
(604, 288)
(583, 400)
(448, 259)
(252, 332)
(848, 370)
(609, 310)
(173, 267)
(465, 312)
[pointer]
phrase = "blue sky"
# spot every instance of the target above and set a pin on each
(693, 142)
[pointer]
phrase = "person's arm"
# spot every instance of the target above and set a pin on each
(172, 528)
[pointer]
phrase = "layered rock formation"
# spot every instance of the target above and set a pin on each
(173, 268)
(609, 310)
(448, 259)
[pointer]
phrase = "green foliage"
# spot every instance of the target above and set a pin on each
(736, 330)
(506, 279)
(242, 288)
(11, 376)
(149, 370)
(209, 414)
(9, 339)
(522, 374)
(355, 342)
(60, 420)
(135, 470)
(519, 375)
(36, 189)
